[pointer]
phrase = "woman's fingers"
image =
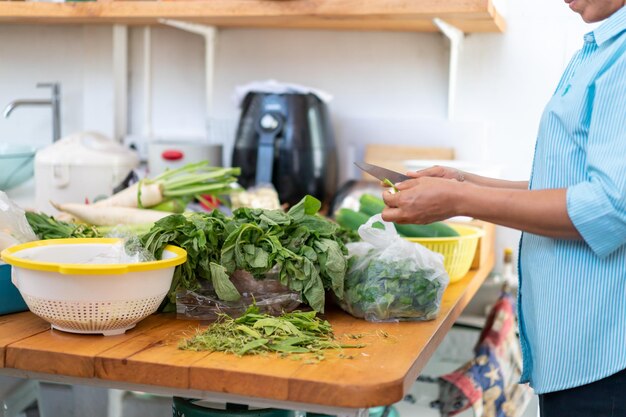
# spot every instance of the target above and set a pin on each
(392, 214)
(391, 199)
(434, 171)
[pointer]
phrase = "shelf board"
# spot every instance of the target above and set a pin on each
(388, 15)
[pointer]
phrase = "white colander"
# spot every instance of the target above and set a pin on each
(60, 286)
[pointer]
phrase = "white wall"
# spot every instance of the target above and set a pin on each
(387, 87)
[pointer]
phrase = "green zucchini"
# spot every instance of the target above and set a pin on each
(350, 219)
(371, 205)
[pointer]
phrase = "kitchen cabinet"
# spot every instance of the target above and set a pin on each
(389, 15)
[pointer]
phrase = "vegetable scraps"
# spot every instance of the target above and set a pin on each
(254, 333)
(301, 245)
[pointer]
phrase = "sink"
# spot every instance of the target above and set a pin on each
(16, 164)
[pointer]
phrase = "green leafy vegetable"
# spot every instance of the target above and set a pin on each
(202, 236)
(46, 227)
(254, 333)
(379, 290)
(300, 245)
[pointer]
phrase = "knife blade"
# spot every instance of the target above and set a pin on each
(382, 173)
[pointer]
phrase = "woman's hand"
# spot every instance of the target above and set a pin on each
(438, 171)
(423, 200)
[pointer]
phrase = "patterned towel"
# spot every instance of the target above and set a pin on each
(489, 382)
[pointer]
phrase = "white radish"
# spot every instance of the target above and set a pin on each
(110, 216)
(151, 195)
(187, 181)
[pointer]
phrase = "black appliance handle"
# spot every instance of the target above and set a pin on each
(270, 125)
(265, 159)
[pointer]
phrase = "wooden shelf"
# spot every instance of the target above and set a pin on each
(389, 15)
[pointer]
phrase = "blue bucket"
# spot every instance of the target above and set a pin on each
(10, 299)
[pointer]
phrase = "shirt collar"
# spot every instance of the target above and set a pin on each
(611, 27)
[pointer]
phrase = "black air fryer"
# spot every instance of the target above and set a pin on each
(286, 140)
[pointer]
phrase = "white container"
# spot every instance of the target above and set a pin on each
(60, 284)
(80, 168)
(172, 154)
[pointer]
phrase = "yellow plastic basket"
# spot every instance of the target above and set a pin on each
(458, 252)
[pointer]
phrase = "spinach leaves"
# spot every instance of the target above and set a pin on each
(380, 290)
(301, 245)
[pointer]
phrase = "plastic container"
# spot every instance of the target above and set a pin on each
(458, 251)
(60, 284)
(16, 165)
(183, 407)
(82, 167)
(10, 299)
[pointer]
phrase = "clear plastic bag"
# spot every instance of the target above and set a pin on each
(14, 227)
(390, 278)
(268, 294)
(128, 250)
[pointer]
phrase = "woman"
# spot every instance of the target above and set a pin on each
(572, 297)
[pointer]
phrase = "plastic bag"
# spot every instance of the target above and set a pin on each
(390, 278)
(14, 227)
(268, 294)
(128, 250)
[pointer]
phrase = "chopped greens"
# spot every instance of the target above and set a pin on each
(254, 333)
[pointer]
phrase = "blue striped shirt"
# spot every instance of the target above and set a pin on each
(572, 297)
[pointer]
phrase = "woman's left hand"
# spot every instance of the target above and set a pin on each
(423, 200)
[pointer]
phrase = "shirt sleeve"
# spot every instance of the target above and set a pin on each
(597, 207)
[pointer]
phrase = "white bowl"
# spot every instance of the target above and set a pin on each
(60, 285)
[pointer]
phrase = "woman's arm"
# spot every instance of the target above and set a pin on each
(455, 174)
(428, 199)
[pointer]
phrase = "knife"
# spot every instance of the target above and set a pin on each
(382, 173)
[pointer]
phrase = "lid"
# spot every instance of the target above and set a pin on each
(88, 148)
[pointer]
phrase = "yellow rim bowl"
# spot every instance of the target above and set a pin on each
(458, 251)
(11, 256)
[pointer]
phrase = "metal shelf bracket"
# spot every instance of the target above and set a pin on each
(456, 37)
(210, 38)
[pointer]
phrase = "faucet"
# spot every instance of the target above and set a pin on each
(54, 102)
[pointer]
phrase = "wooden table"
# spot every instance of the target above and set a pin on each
(147, 359)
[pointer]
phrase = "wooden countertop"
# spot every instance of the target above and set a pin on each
(379, 374)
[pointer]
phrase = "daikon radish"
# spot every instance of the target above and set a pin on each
(110, 216)
(189, 181)
(150, 195)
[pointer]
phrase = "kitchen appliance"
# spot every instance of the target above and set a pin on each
(80, 168)
(172, 154)
(286, 140)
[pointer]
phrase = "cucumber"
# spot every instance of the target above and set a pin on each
(371, 205)
(350, 219)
